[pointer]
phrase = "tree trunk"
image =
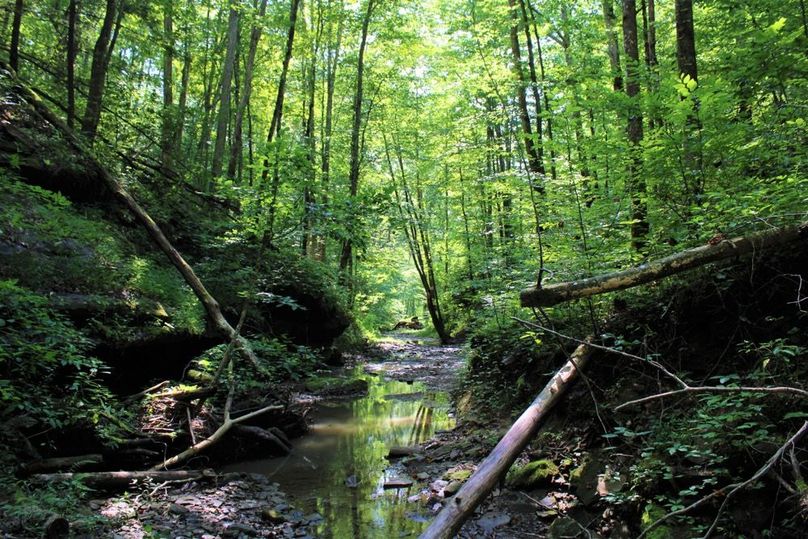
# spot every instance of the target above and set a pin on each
(534, 85)
(651, 63)
(664, 267)
(533, 160)
(14, 48)
(225, 92)
(636, 181)
(543, 78)
(70, 64)
(613, 48)
(169, 114)
(686, 61)
(277, 115)
(235, 148)
(346, 256)
(309, 198)
(210, 304)
(98, 74)
(462, 505)
(183, 100)
(325, 164)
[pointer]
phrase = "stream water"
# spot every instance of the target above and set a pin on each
(338, 471)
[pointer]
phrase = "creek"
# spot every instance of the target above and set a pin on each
(337, 472)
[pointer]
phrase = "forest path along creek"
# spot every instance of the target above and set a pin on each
(378, 465)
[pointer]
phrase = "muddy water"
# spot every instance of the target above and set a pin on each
(338, 471)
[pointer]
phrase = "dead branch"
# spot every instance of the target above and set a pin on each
(122, 479)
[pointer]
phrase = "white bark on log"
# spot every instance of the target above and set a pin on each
(664, 267)
(496, 464)
(210, 304)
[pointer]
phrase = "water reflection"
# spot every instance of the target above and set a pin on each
(347, 445)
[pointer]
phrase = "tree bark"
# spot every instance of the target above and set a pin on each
(225, 92)
(462, 505)
(238, 137)
(636, 181)
(98, 74)
(613, 49)
(664, 267)
(346, 256)
(686, 62)
(533, 160)
(14, 52)
(58, 463)
(168, 132)
(534, 85)
(277, 116)
(70, 64)
(325, 163)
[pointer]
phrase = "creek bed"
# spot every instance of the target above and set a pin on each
(337, 472)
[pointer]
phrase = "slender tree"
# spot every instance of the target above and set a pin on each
(346, 256)
(636, 181)
(70, 63)
(14, 48)
(249, 66)
(686, 61)
(225, 91)
(168, 133)
(98, 71)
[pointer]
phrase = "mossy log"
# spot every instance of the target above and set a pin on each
(664, 267)
(496, 464)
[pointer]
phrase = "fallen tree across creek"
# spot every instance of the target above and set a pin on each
(664, 267)
(496, 464)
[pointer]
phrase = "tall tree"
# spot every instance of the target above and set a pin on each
(70, 63)
(14, 48)
(534, 160)
(613, 49)
(332, 61)
(636, 181)
(249, 65)
(277, 118)
(167, 139)
(225, 91)
(346, 256)
(98, 72)
(688, 71)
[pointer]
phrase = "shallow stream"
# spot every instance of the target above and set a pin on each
(338, 471)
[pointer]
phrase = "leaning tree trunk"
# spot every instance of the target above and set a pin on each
(462, 505)
(664, 267)
(210, 304)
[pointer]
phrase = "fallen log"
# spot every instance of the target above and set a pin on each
(496, 464)
(58, 463)
(123, 479)
(210, 304)
(664, 267)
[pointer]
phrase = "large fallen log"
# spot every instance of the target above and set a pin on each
(664, 267)
(496, 464)
(123, 479)
(58, 463)
(210, 304)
